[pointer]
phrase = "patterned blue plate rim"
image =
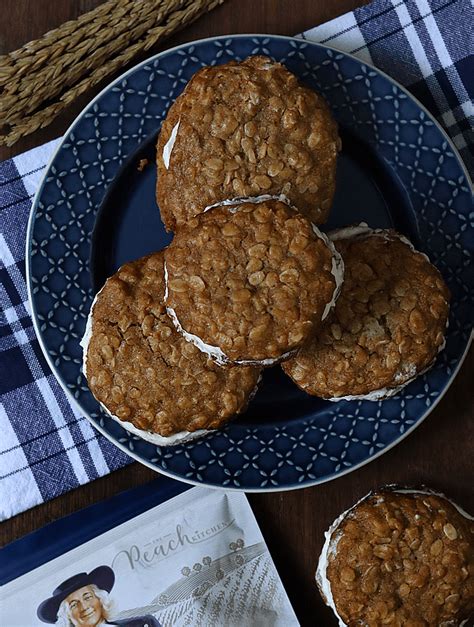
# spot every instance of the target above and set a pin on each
(36, 322)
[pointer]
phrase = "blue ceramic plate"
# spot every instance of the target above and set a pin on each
(95, 211)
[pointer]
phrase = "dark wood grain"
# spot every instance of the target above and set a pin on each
(440, 453)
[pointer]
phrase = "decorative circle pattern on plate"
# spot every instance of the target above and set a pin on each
(318, 440)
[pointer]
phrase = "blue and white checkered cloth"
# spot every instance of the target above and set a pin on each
(46, 447)
(427, 46)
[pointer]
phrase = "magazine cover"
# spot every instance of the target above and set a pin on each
(198, 559)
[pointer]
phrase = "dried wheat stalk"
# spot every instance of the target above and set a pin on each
(47, 80)
(25, 92)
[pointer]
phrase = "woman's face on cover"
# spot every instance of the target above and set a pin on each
(85, 607)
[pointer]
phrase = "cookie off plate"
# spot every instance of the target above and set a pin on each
(96, 210)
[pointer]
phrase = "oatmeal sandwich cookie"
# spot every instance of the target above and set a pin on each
(249, 281)
(388, 324)
(246, 129)
(144, 373)
(400, 557)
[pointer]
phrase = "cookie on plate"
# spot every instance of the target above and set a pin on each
(144, 373)
(249, 281)
(245, 129)
(399, 557)
(388, 324)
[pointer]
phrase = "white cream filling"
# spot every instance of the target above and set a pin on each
(154, 438)
(363, 230)
(242, 200)
(384, 393)
(337, 270)
(215, 352)
(84, 343)
(321, 572)
(350, 232)
(375, 395)
(177, 438)
(329, 547)
(168, 147)
(211, 351)
(266, 362)
(434, 493)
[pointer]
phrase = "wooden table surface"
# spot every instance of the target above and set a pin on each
(440, 453)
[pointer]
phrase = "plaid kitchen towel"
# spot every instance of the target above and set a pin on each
(46, 447)
(427, 46)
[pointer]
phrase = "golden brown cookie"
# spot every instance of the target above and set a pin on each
(245, 129)
(144, 373)
(249, 283)
(388, 324)
(400, 557)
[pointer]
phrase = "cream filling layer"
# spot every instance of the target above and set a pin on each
(322, 581)
(254, 200)
(216, 353)
(329, 547)
(84, 343)
(337, 270)
(168, 147)
(363, 230)
(359, 231)
(154, 438)
(375, 395)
